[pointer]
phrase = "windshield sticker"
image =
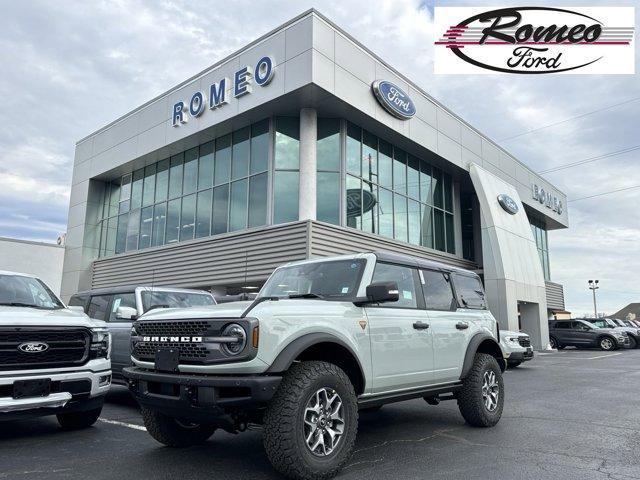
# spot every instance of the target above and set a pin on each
(407, 295)
(345, 289)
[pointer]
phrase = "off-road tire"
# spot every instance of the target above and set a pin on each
(172, 432)
(513, 364)
(78, 420)
(606, 347)
(283, 432)
(470, 400)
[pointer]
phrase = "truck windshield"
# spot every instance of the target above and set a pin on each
(331, 280)
(19, 291)
(168, 299)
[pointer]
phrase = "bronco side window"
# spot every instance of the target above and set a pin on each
(437, 291)
(406, 279)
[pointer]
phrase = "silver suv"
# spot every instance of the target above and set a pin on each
(53, 361)
(323, 339)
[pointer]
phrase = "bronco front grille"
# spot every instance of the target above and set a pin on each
(173, 327)
(524, 341)
(66, 347)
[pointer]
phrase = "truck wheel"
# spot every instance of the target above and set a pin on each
(482, 395)
(173, 432)
(311, 423)
(78, 420)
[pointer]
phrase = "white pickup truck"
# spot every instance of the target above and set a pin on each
(53, 360)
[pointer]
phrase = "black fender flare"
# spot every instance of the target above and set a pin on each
(472, 349)
(287, 356)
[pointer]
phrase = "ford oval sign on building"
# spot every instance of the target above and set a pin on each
(394, 99)
(508, 204)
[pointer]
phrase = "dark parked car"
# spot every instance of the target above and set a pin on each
(631, 330)
(582, 334)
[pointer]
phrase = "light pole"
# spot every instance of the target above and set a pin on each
(593, 286)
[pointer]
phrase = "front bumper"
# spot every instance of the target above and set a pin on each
(198, 397)
(521, 356)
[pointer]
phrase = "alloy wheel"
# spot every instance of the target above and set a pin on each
(490, 390)
(606, 344)
(323, 422)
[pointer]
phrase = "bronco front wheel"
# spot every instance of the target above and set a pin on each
(481, 397)
(311, 423)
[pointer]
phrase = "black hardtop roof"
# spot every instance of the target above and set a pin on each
(411, 261)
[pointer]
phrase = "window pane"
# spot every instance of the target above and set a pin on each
(287, 143)
(149, 189)
(105, 200)
(146, 223)
(173, 221)
(328, 197)
(259, 146)
(354, 135)
(222, 170)
(175, 176)
(124, 206)
(205, 166)
(354, 202)
(220, 209)
(125, 192)
(121, 238)
(285, 202)
(438, 230)
(240, 159)
(133, 229)
(385, 212)
(413, 177)
(111, 235)
(190, 171)
(414, 222)
(437, 188)
(162, 180)
(470, 291)
(258, 200)
(369, 210)
(136, 189)
(399, 171)
(103, 238)
(400, 217)
(437, 291)
(238, 206)
(425, 183)
(159, 224)
(385, 167)
(448, 192)
(369, 157)
(406, 283)
(427, 226)
(114, 198)
(451, 243)
(328, 144)
(203, 215)
(187, 219)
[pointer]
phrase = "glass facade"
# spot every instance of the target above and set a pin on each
(393, 193)
(542, 242)
(250, 178)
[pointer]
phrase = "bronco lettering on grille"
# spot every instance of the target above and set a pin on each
(172, 339)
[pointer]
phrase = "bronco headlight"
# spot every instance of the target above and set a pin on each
(100, 343)
(237, 339)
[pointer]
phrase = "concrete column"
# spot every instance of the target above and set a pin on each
(308, 161)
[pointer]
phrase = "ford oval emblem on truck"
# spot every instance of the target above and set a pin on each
(508, 204)
(393, 99)
(33, 347)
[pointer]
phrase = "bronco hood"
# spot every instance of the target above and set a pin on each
(63, 317)
(223, 310)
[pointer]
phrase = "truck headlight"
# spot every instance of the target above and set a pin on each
(512, 339)
(237, 346)
(100, 343)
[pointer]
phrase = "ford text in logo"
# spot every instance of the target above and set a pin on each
(393, 99)
(508, 204)
(33, 347)
(535, 40)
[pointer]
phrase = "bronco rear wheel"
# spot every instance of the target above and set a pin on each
(311, 423)
(173, 432)
(482, 395)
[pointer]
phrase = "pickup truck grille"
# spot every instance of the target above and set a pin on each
(67, 347)
(524, 341)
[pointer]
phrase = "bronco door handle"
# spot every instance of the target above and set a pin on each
(420, 326)
(462, 325)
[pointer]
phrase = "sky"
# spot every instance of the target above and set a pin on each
(70, 67)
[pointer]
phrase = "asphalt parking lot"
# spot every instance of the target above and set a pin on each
(570, 415)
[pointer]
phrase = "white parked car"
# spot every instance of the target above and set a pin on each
(323, 339)
(53, 361)
(517, 347)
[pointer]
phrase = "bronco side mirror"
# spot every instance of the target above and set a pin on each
(381, 292)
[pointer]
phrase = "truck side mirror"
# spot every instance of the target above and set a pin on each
(126, 313)
(381, 292)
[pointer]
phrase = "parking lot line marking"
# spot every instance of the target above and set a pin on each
(602, 356)
(123, 424)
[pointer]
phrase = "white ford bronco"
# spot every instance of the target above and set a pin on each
(53, 361)
(323, 339)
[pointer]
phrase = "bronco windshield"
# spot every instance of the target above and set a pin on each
(334, 280)
(19, 291)
(168, 299)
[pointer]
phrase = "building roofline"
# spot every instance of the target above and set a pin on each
(306, 13)
(30, 242)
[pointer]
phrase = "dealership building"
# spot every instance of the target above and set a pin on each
(305, 144)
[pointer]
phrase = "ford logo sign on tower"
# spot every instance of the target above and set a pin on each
(393, 99)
